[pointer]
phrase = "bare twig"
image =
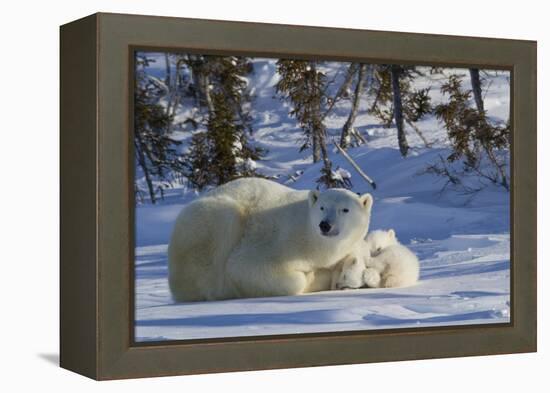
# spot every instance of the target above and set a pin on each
(360, 139)
(343, 88)
(354, 106)
(420, 134)
(355, 166)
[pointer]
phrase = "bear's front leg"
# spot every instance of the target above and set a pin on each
(288, 283)
(319, 280)
(259, 280)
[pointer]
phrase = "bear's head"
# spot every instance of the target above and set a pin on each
(340, 214)
(378, 240)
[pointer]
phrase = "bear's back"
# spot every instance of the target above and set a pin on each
(257, 193)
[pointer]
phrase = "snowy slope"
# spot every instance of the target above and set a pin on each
(462, 240)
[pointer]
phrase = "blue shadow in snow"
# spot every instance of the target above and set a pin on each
(302, 317)
(463, 269)
(151, 273)
(382, 320)
(325, 296)
(474, 294)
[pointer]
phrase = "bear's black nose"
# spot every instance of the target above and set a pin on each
(325, 226)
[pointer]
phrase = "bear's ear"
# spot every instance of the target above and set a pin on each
(392, 233)
(313, 197)
(366, 201)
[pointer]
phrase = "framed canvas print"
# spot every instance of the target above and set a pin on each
(241, 196)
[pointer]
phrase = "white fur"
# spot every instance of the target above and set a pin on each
(349, 272)
(371, 278)
(253, 237)
(378, 262)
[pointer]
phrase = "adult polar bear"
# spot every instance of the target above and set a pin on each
(253, 237)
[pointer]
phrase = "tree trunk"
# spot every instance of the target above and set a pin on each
(356, 166)
(352, 69)
(143, 163)
(354, 107)
(316, 123)
(168, 77)
(419, 133)
(176, 100)
(359, 139)
(476, 89)
(243, 117)
(503, 178)
(206, 91)
(169, 82)
(349, 79)
(327, 164)
(319, 129)
(200, 76)
(316, 146)
(398, 110)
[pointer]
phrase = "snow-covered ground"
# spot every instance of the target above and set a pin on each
(464, 280)
(462, 241)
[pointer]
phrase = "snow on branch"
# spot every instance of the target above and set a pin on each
(355, 166)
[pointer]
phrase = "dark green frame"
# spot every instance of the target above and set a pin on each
(97, 201)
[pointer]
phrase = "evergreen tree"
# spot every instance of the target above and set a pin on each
(156, 152)
(200, 84)
(222, 152)
(225, 75)
(176, 82)
(229, 75)
(223, 135)
(471, 133)
(198, 161)
(218, 155)
(397, 101)
(304, 86)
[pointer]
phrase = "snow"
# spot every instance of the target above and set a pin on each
(462, 240)
(459, 285)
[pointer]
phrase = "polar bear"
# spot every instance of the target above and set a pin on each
(378, 262)
(352, 272)
(253, 237)
(397, 265)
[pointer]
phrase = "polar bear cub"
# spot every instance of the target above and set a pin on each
(379, 262)
(397, 265)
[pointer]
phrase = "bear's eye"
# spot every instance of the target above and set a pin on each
(345, 210)
(322, 208)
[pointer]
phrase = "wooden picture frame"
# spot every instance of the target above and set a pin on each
(97, 197)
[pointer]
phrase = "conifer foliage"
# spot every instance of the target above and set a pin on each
(155, 151)
(225, 75)
(472, 135)
(304, 86)
(395, 100)
(194, 127)
(221, 153)
(218, 150)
